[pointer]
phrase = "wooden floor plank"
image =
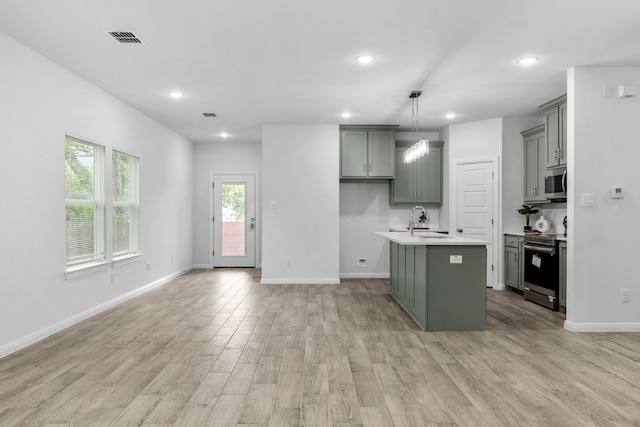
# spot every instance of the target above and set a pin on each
(218, 348)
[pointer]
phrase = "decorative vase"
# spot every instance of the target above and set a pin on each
(542, 225)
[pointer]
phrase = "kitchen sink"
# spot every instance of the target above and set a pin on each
(430, 234)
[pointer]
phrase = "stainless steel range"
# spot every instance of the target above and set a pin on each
(541, 269)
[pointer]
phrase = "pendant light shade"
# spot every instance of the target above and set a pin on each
(420, 147)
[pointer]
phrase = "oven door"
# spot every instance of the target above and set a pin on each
(541, 275)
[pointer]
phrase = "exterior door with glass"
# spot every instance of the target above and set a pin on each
(234, 221)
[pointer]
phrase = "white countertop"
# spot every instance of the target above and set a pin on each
(430, 227)
(428, 238)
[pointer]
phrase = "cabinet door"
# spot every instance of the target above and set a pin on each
(429, 177)
(403, 184)
(534, 167)
(511, 267)
(562, 260)
(552, 121)
(381, 154)
(353, 153)
(562, 137)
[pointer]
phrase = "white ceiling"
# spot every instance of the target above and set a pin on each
(292, 61)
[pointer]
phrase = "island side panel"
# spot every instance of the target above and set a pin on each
(393, 265)
(457, 293)
(420, 284)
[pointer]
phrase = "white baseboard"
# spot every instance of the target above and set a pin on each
(201, 266)
(499, 287)
(59, 326)
(601, 327)
(364, 275)
(301, 281)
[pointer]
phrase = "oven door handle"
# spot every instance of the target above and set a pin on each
(544, 250)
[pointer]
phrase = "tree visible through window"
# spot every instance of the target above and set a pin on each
(125, 203)
(233, 224)
(85, 210)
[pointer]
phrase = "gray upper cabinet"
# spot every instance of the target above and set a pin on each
(555, 118)
(367, 152)
(535, 153)
(420, 181)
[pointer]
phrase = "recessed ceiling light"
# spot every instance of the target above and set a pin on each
(528, 60)
(365, 59)
(346, 115)
(176, 94)
(450, 115)
(224, 134)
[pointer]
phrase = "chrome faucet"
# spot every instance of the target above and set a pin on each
(411, 218)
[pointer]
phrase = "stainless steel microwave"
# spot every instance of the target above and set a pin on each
(555, 184)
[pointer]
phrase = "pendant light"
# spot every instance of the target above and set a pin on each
(420, 147)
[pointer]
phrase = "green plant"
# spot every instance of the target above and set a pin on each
(527, 210)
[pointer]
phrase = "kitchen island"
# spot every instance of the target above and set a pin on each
(440, 280)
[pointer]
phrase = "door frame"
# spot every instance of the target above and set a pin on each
(496, 207)
(258, 208)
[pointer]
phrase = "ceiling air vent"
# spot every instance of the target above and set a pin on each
(125, 37)
(210, 114)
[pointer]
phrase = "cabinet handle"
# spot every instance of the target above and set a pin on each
(556, 151)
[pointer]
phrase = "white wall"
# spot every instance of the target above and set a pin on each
(227, 156)
(365, 209)
(478, 141)
(300, 170)
(603, 250)
(41, 101)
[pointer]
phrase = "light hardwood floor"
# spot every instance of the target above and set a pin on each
(216, 348)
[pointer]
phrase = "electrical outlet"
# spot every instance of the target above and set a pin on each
(626, 295)
(288, 262)
(455, 259)
(362, 262)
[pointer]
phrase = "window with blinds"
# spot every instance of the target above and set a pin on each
(125, 203)
(85, 203)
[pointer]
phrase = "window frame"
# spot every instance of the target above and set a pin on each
(98, 202)
(133, 251)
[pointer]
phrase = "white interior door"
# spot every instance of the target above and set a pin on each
(234, 221)
(475, 206)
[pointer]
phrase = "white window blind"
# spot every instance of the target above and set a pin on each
(125, 203)
(85, 203)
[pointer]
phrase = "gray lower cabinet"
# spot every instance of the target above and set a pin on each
(367, 152)
(439, 295)
(562, 292)
(419, 182)
(535, 150)
(513, 258)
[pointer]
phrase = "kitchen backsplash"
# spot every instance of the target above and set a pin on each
(555, 216)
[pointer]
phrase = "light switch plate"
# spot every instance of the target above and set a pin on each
(586, 200)
(455, 259)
